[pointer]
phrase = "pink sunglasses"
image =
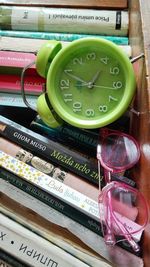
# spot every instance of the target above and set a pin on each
(118, 202)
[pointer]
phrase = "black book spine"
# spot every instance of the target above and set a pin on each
(55, 152)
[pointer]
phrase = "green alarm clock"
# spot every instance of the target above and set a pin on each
(89, 83)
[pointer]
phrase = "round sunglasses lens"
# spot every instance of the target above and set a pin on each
(124, 209)
(119, 152)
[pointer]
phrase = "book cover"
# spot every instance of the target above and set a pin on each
(38, 210)
(59, 36)
(120, 4)
(32, 248)
(72, 20)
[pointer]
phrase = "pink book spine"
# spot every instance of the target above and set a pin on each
(16, 59)
(12, 84)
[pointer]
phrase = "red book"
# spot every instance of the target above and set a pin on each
(13, 62)
(33, 84)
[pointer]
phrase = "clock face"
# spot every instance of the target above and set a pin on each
(90, 83)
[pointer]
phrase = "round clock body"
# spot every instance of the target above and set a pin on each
(90, 83)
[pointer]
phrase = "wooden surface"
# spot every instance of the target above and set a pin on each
(140, 123)
(116, 4)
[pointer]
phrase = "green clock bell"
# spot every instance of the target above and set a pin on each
(89, 83)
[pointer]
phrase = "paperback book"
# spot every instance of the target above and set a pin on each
(120, 4)
(72, 20)
(31, 248)
(32, 46)
(55, 234)
(59, 36)
(15, 100)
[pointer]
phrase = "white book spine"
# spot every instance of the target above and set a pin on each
(72, 20)
(31, 248)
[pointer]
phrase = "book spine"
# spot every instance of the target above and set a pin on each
(29, 47)
(119, 4)
(7, 260)
(33, 85)
(84, 140)
(58, 205)
(55, 152)
(15, 100)
(58, 154)
(120, 40)
(66, 194)
(106, 22)
(18, 60)
(51, 201)
(31, 248)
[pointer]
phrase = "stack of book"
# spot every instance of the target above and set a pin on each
(26, 25)
(49, 180)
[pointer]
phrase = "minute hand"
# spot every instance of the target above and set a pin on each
(75, 77)
(100, 86)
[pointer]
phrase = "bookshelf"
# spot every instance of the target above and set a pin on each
(140, 123)
(140, 117)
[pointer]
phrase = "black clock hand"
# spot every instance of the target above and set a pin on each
(91, 83)
(68, 72)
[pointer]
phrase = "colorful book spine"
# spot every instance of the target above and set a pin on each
(33, 84)
(120, 4)
(48, 149)
(67, 178)
(17, 60)
(72, 20)
(61, 36)
(32, 249)
(60, 191)
(15, 100)
(60, 155)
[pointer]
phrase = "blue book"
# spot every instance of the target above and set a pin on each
(61, 36)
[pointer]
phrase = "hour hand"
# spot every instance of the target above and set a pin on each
(91, 83)
(70, 74)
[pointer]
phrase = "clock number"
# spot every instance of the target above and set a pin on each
(91, 56)
(104, 60)
(67, 97)
(114, 70)
(64, 84)
(77, 60)
(77, 106)
(89, 113)
(103, 108)
(112, 98)
(117, 85)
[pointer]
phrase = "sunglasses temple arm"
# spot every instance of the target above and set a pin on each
(127, 235)
(109, 236)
